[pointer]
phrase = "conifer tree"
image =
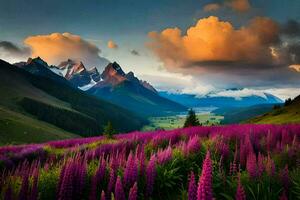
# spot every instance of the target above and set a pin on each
(109, 130)
(191, 119)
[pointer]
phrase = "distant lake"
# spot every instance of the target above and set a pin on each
(200, 110)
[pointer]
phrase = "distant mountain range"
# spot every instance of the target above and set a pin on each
(39, 105)
(213, 100)
(129, 92)
(113, 85)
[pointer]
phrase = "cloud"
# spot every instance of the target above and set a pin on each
(112, 45)
(236, 5)
(215, 51)
(134, 52)
(211, 7)
(282, 93)
(57, 47)
(291, 28)
(295, 67)
(214, 41)
(239, 94)
(239, 5)
(13, 53)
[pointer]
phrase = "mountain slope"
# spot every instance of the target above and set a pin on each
(129, 92)
(58, 96)
(19, 128)
(283, 115)
(211, 99)
(235, 115)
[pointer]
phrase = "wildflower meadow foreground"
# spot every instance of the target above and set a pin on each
(198, 163)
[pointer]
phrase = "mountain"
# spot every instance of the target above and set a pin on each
(70, 71)
(39, 67)
(76, 73)
(212, 100)
(286, 114)
(129, 92)
(37, 105)
(235, 115)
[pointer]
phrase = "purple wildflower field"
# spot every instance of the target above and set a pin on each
(197, 163)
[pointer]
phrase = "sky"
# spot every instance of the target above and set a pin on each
(191, 46)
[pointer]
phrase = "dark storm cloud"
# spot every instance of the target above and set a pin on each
(14, 50)
(291, 28)
(294, 52)
(135, 52)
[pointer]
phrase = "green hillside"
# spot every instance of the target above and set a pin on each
(17, 128)
(287, 114)
(235, 115)
(28, 100)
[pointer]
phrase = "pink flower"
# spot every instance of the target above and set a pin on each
(193, 145)
(192, 190)
(284, 176)
(251, 165)
(270, 166)
(150, 175)
(133, 192)
(111, 183)
(119, 191)
(240, 192)
(131, 171)
(163, 156)
(204, 191)
(102, 195)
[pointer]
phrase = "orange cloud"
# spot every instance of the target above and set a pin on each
(239, 5)
(112, 45)
(295, 67)
(213, 40)
(57, 47)
(211, 7)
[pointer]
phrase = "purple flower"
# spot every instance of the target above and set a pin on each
(193, 145)
(102, 195)
(133, 192)
(119, 191)
(150, 175)
(192, 190)
(111, 183)
(23, 194)
(131, 171)
(251, 165)
(204, 191)
(240, 192)
(66, 187)
(260, 165)
(270, 166)
(163, 156)
(284, 176)
(34, 188)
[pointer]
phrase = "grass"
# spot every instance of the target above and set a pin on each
(284, 115)
(16, 128)
(177, 121)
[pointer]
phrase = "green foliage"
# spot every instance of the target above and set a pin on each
(109, 130)
(265, 188)
(47, 185)
(191, 119)
(167, 181)
(66, 119)
(295, 189)
(288, 102)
